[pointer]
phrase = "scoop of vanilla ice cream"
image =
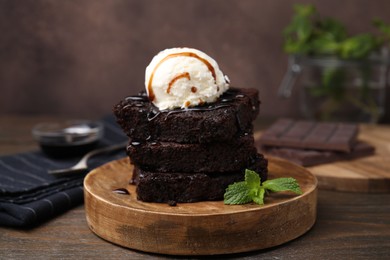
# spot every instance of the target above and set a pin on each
(183, 77)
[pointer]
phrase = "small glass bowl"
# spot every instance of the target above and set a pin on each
(68, 138)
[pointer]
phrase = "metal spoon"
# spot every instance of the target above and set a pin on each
(82, 166)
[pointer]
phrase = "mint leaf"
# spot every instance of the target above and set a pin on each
(253, 190)
(283, 184)
(256, 191)
(237, 193)
(259, 198)
(252, 180)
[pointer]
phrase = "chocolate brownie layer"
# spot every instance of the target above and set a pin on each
(230, 116)
(190, 187)
(175, 157)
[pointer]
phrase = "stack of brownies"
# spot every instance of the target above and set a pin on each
(193, 154)
(310, 143)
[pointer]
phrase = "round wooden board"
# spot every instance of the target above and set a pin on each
(202, 228)
(367, 174)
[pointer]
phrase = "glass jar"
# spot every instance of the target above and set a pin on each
(332, 89)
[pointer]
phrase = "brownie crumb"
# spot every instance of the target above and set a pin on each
(172, 203)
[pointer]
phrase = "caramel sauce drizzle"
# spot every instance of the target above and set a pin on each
(173, 55)
(180, 76)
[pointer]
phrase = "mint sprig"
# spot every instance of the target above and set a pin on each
(252, 189)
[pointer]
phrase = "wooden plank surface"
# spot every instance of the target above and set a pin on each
(348, 225)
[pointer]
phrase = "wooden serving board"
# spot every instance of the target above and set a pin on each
(202, 228)
(366, 174)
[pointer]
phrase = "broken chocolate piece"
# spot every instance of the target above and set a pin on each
(307, 157)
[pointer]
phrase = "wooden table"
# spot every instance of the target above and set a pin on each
(348, 226)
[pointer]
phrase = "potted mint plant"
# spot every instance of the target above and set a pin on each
(343, 77)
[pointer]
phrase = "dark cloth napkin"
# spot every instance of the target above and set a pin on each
(29, 195)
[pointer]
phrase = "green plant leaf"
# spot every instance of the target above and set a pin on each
(252, 179)
(358, 47)
(283, 184)
(325, 45)
(299, 31)
(303, 10)
(252, 190)
(259, 198)
(383, 28)
(237, 193)
(332, 29)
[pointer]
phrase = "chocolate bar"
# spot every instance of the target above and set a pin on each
(310, 135)
(316, 157)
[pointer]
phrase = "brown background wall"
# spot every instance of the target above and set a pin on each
(78, 58)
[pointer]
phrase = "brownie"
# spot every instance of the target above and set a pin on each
(192, 154)
(190, 187)
(232, 155)
(230, 116)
